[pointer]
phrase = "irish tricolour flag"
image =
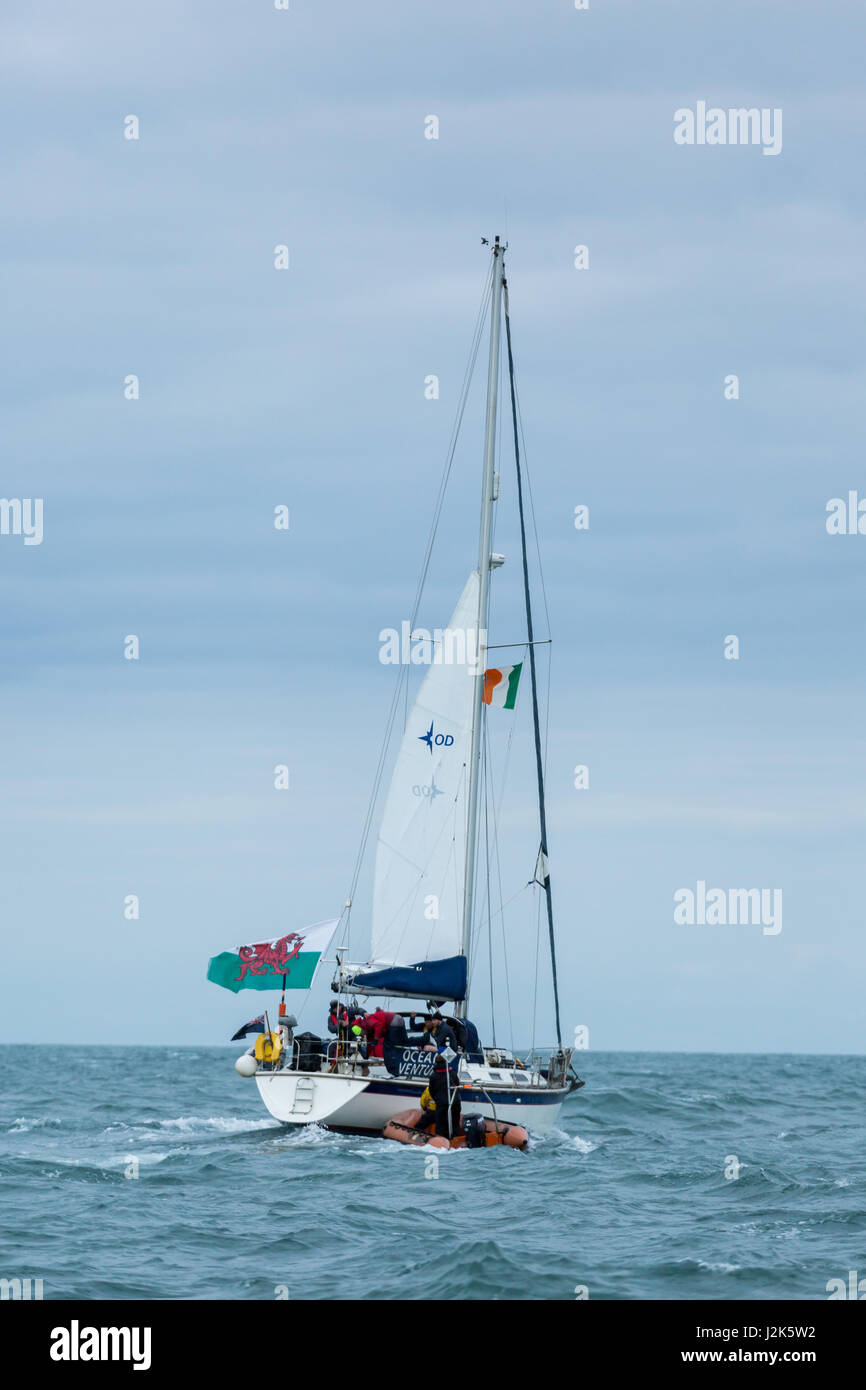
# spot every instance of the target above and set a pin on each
(500, 685)
(263, 964)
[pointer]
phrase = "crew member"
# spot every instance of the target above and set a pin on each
(338, 1023)
(376, 1026)
(442, 1034)
(445, 1092)
(428, 1110)
(424, 1038)
(474, 1052)
(338, 1019)
(356, 1049)
(396, 1034)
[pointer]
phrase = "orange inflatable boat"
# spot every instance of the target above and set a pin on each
(404, 1128)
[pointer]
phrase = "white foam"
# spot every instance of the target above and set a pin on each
(584, 1146)
(216, 1124)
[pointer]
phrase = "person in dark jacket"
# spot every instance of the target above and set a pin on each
(423, 1038)
(338, 1024)
(338, 1018)
(474, 1051)
(445, 1093)
(443, 1035)
(395, 1044)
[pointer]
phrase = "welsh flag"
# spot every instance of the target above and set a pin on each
(500, 685)
(262, 965)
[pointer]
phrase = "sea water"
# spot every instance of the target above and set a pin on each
(156, 1173)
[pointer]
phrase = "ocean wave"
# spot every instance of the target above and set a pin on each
(24, 1124)
(307, 1136)
(583, 1146)
(627, 1196)
(198, 1125)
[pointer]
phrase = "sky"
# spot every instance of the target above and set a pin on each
(304, 387)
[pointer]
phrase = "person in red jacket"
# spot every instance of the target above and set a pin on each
(375, 1026)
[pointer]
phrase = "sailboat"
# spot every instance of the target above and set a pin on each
(425, 891)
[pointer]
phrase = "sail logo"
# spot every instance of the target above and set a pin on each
(734, 907)
(431, 738)
(449, 646)
(432, 791)
(712, 125)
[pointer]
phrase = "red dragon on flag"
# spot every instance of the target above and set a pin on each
(258, 966)
(269, 957)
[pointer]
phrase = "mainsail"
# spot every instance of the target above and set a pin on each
(420, 859)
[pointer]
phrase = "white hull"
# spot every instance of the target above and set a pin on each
(366, 1104)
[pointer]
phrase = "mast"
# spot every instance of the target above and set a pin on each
(488, 497)
(539, 762)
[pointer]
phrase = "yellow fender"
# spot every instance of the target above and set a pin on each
(268, 1047)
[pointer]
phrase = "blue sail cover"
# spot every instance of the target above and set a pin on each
(429, 979)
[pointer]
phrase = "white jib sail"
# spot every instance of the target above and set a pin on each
(418, 888)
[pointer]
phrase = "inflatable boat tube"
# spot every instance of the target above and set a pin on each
(404, 1129)
(515, 1136)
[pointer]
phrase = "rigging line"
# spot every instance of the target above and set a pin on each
(500, 913)
(479, 917)
(487, 795)
(468, 374)
(535, 973)
(475, 927)
(502, 906)
(531, 495)
(404, 676)
(528, 476)
(538, 642)
(547, 708)
(491, 801)
(545, 867)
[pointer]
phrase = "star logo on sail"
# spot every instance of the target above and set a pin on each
(440, 740)
(431, 791)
